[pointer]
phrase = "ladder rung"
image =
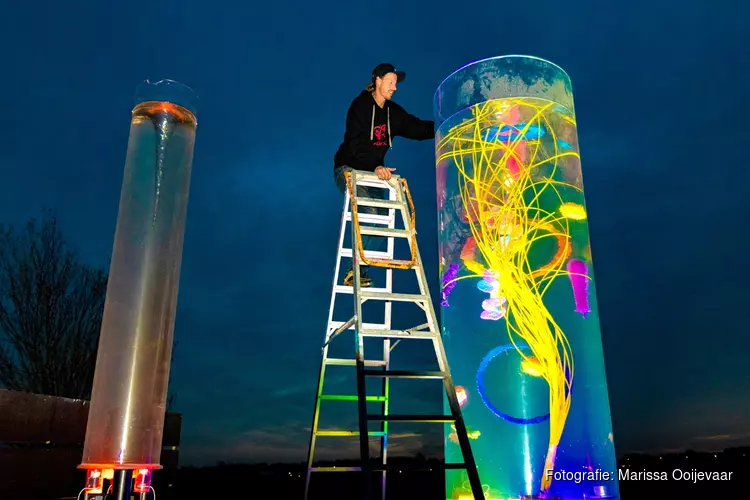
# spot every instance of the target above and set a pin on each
(350, 289)
(369, 254)
(371, 179)
(396, 334)
(334, 325)
(348, 433)
(390, 263)
(335, 469)
(417, 466)
(413, 418)
(374, 202)
(385, 231)
(347, 397)
(353, 362)
(402, 297)
(404, 374)
(370, 218)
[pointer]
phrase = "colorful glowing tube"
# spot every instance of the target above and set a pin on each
(519, 314)
(126, 417)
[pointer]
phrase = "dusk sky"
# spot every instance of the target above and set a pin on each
(660, 92)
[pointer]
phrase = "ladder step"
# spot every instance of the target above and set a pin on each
(401, 297)
(353, 362)
(346, 397)
(375, 202)
(392, 467)
(334, 325)
(384, 231)
(371, 218)
(348, 433)
(390, 263)
(417, 466)
(369, 254)
(397, 334)
(371, 180)
(405, 374)
(413, 418)
(350, 289)
(335, 469)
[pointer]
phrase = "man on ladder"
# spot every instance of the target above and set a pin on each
(367, 186)
(373, 120)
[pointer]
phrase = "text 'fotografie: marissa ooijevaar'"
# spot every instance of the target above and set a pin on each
(691, 475)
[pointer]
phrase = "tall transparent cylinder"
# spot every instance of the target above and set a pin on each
(128, 403)
(519, 311)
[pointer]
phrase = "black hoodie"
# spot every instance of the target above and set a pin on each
(370, 130)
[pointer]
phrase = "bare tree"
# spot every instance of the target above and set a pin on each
(51, 307)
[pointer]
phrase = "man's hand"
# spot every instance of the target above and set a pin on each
(384, 173)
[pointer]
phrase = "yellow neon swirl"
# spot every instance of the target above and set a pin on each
(491, 191)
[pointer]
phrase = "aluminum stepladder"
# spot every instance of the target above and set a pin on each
(398, 200)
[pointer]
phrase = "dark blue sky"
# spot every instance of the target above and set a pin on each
(660, 98)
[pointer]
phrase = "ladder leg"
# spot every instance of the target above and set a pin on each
(384, 425)
(316, 417)
(321, 373)
(364, 440)
(388, 306)
(461, 433)
(386, 380)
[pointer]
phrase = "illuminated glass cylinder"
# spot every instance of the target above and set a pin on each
(518, 307)
(128, 402)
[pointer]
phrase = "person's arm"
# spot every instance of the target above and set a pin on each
(359, 139)
(411, 127)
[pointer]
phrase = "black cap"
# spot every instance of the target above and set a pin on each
(384, 68)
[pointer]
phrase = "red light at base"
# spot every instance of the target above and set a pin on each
(94, 481)
(142, 479)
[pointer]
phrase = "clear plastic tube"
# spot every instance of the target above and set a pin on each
(519, 314)
(126, 418)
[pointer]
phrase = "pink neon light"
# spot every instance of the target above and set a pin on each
(580, 282)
